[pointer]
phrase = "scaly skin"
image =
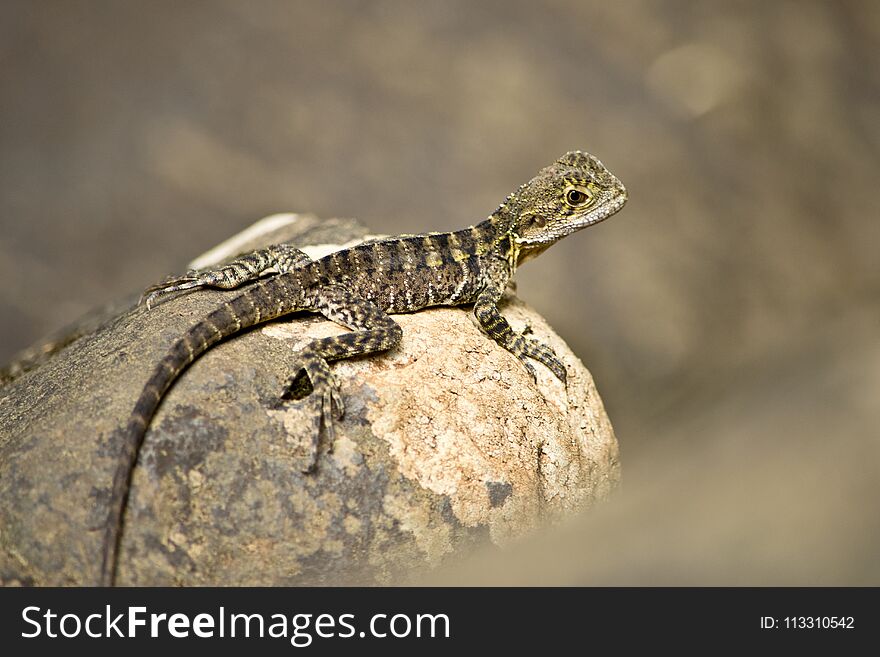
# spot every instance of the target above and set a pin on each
(361, 286)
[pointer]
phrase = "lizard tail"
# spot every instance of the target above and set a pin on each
(232, 317)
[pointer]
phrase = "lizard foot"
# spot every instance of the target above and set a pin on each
(543, 354)
(325, 399)
(188, 281)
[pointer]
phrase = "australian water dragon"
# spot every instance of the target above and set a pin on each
(361, 286)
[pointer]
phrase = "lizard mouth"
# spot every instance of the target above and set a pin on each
(568, 225)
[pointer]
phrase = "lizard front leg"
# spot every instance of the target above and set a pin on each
(373, 331)
(497, 327)
(238, 271)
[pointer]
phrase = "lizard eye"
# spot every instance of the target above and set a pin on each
(577, 197)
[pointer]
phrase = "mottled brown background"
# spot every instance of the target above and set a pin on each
(729, 314)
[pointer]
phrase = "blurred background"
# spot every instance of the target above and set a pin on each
(729, 313)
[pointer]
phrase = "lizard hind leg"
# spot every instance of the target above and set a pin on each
(374, 331)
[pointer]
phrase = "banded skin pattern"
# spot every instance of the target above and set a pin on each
(360, 287)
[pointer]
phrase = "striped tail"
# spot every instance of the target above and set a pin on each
(249, 308)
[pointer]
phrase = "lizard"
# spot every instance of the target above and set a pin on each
(359, 288)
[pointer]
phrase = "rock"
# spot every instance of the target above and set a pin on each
(446, 443)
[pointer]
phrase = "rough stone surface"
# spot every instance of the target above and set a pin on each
(445, 444)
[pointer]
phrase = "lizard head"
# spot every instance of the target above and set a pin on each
(574, 192)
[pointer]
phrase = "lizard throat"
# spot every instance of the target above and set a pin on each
(527, 252)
